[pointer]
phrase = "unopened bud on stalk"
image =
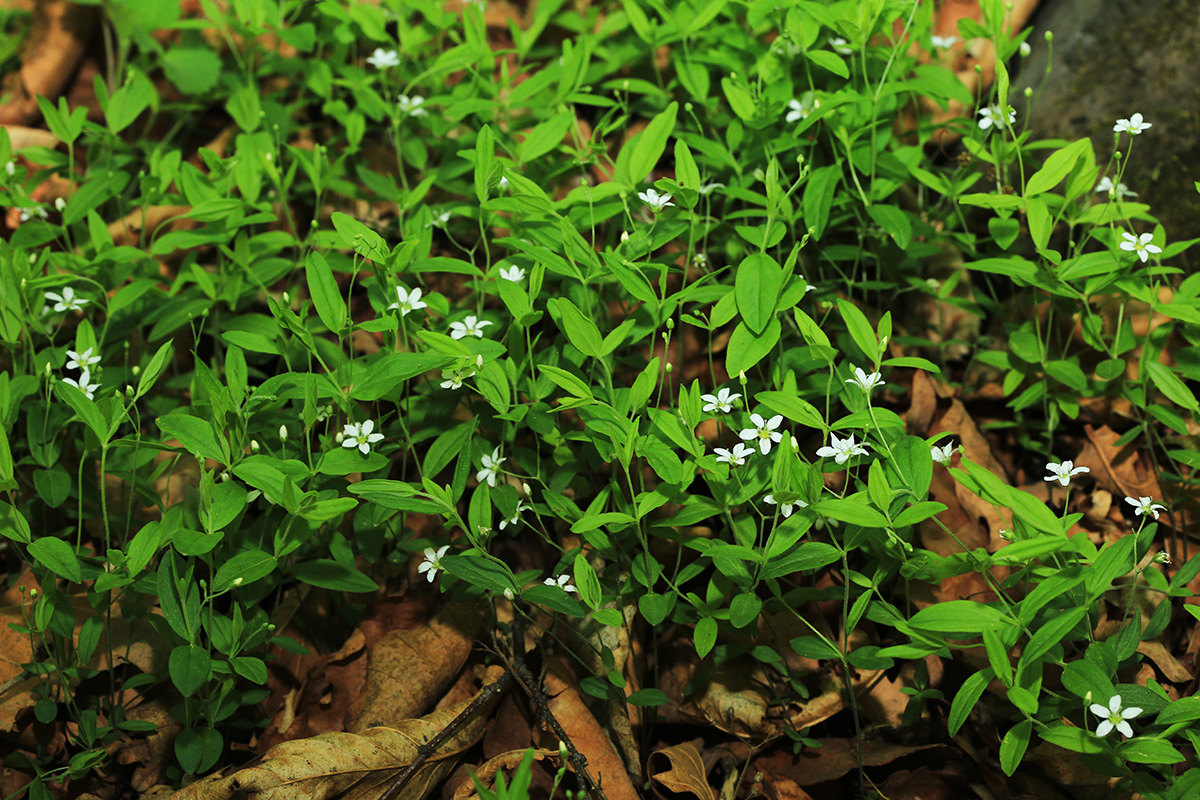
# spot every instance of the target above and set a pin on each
(136, 370)
(525, 488)
(283, 433)
(1028, 92)
(254, 445)
(60, 204)
(624, 237)
(742, 377)
(1049, 36)
(1025, 49)
(670, 368)
(287, 299)
(670, 323)
(337, 437)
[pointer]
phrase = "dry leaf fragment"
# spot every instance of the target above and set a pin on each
(682, 771)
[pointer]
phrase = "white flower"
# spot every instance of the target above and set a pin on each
(503, 184)
(468, 327)
(943, 42)
(1025, 49)
(1132, 126)
(735, 457)
(453, 379)
(1063, 472)
(864, 381)
(656, 201)
(786, 509)
(411, 106)
(81, 360)
(562, 581)
(283, 433)
(992, 115)
(796, 111)
(28, 213)
(1120, 190)
(1162, 557)
(722, 401)
(67, 301)
(1114, 717)
(709, 188)
(10, 168)
(1140, 245)
(84, 384)
(432, 564)
(440, 220)
(841, 46)
(515, 519)
(407, 301)
(513, 273)
(491, 463)
(942, 454)
(382, 59)
(842, 449)
(359, 435)
(1145, 505)
(764, 431)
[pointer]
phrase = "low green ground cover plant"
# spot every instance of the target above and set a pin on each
(647, 380)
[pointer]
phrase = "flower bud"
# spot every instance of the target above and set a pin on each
(1028, 92)
(1162, 558)
(60, 204)
(670, 323)
(508, 593)
(287, 299)
(254, 445)
(10, 168)
(137, 370)
(742, 377)
(33, 593)
(1049, 36)
(238, 581)
(1025, 49)
(283, 433)
(337, 437)
(669, 368)
(624, 237)
(525, 488)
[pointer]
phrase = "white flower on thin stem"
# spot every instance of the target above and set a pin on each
(1063, 472)
(1114, 192)
(1132, 126)
(943, 42)
(993, 115)
(722, 401)
(432, 564)
(786, 508)
(67, 301)
(513, 273)
(382, 59)
(942, 454)
(468, 327)
(84, 384)
(735, 457)
(491, 463)
(656, 201)
(563, 582)
(1162, 557)
(515, 519)
(407, 301)
(355, 434)
(864, 381)
(764, 432)
(411, 106)
(439, 220)
(29, 213)
(1145, 505)
(842, 449)
(1114, 717)
(797, 111)
(841, 46)
(1140, 245)
(82, 360)
(453, 378)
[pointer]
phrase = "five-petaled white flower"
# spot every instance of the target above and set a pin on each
(1145, 505)
(993, 115)
(764, 431)
(735, 457)
(1132, 126)
(491, 463)
(562, 581)
(1114, 192)
(842, 449)
(722, 401)
(656, 201)
(1140, 245)
(841, 46)
(515, 519)
(468, 327)
(439, 220)
(513, 273)
(82, 360)
(1114, 717)
(797, 110)
(382, 59)
(411, 106)
(943, 42)
(407, 301)
(29, 213)
(1063, 472)
(432, 564)
(785, 508)
(356, 434)
(67, 301)
(942, 454)
(864, 381)
(453, 378)
(84, 384)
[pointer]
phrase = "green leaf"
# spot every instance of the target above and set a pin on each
(1056, 168)
(1013, 746)
(580, 331)
(686, 171)
(705, 635)
(1170, 385)
(329, 574)
(545, 136)
(860, 330)
(830, 61)
(758, 283)
(894, 222)
(655, 607)
(968, 695)
(740, 99)
(479, 571)
(86, 409)
(1033, 511)
(1144, 750)
(567, 381)
(651, 143)
(744, 609)
(745, 349)
(323, 289)
(794, 408)
(196, 435)
(485, 157)
(364, 241)
(128, 102)
(190, 667)
(388, 373)
(818, 197)
(193, 70)
(648, 697)
(587, 582)
(198, 749)
(249, 566)
(158, 363)
(1054, 631)
(57, 556)
(1067, 373)
(959, 619)
(852, 511)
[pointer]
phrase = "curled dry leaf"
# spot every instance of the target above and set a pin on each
(680, 770)
(347, 765)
